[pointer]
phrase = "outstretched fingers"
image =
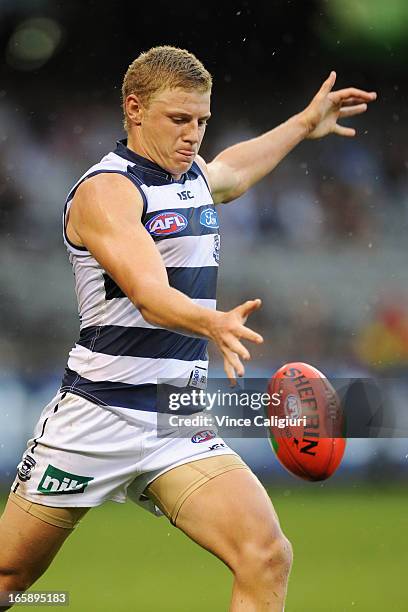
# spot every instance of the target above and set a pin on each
(341, 96)
(235, 352)
(233, 344)
(351, 102)
(249, 334)
(328, 84)
(233, 366)
(350, 111)
(341, 130)
(229, 334)
(247, 308)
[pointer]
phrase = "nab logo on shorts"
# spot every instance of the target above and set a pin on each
(58, 482)
(209, 218)
(203, 436)
(166, 223)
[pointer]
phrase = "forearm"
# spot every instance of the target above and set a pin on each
(164, 306)
(253, 159)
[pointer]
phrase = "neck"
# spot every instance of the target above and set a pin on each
(134, 144)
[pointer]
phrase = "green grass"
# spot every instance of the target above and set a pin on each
(350, 555)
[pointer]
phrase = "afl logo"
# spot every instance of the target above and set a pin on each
(292, 408)
(203, 436)
(166, 223)
(209, 218)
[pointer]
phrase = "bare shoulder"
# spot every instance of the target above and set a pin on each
(104, 186)
(220, 178)
(107, 192)
(212, 173)
(203, 167)
(101, 201)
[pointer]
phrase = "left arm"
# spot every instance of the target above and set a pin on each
(239, 167)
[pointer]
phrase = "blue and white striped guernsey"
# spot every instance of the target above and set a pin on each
(119, 356)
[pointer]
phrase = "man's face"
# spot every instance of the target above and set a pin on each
(172, 128)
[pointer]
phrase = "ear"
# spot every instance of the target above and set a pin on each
(134, 109)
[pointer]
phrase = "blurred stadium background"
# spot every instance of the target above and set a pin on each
(322, 240)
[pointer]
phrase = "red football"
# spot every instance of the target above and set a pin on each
(306, 422)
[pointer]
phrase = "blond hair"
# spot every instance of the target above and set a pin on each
(162, 67)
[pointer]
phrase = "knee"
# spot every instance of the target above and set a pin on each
(280, 556)
(265, 560)
(13, 580)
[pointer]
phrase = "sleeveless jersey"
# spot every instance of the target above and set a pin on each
(119, 358)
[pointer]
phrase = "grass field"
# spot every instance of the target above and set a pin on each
(350, 555)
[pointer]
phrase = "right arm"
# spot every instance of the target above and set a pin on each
(105, 217)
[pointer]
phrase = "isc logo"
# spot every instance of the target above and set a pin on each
(185, 195)
(166, 223)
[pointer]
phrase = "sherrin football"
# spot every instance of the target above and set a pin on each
(311, 446)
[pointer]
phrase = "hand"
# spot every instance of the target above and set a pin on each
(227, 331)
(328, 106)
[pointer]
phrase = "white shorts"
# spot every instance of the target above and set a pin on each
(82, 454)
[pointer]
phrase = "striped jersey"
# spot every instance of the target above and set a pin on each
(119, 358)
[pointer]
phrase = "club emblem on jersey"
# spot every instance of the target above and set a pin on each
(24, 468)
(209, 218)
(166, 223)
(216, 251)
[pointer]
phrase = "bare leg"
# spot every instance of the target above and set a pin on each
(232, 516)
(27, 547)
